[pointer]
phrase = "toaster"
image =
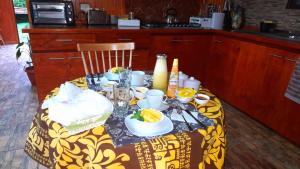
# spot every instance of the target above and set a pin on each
(97, 17)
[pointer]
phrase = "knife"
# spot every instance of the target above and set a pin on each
(186, 123)
(196, 119)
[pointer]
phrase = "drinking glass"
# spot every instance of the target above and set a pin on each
(121, 93)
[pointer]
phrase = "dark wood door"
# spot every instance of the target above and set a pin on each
(50, 71)
(191, 51)
(221, 65)
(247, 90)
(8, 25)
(280, 113)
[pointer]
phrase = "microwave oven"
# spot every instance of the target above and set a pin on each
(52, 12)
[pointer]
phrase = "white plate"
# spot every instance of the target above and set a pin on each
(111, 76)
(144, 104)
(142, 129)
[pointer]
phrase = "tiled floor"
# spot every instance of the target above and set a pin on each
(250, 145)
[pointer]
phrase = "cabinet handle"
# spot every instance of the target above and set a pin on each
(291, 60)
(63, 40)
(278, 56)
(125, 39)
(178, 40)
(56, 58)
(218, 41)
(75, 57)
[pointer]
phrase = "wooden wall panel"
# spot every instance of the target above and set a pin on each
(8, 22)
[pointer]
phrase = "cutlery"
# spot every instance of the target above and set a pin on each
(92, 79)
(189, 113)
(186, 123)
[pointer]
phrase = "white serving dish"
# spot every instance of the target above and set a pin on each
(146, 129)
(200, 101)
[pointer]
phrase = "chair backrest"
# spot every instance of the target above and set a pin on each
(117, 51)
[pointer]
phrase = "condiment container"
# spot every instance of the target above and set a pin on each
(191, 83)
(173, 80)
(181, 78)
(160, 73)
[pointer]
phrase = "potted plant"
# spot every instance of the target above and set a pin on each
(24, 56)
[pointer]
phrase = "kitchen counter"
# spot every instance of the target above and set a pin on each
(275, 40)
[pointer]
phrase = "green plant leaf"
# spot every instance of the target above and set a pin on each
(18, 54)
(137, 115)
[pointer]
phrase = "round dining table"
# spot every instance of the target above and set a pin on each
(50, 144)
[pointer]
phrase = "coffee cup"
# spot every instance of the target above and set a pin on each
(137, 78)
(154, 98)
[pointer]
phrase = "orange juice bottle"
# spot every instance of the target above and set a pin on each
(173, 81)
(160, 74)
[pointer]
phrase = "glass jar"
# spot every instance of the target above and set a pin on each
(160, 74)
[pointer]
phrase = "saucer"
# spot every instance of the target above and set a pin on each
(144, 104)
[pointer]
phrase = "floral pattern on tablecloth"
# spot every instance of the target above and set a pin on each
(50, 144)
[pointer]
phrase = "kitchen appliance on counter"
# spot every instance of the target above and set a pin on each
(204, 22)
(98, 17)
(267, 26)
(171, 25)
(52, 12)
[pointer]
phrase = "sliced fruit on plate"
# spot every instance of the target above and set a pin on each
(117, 69)
(147, 115)
(186, 92)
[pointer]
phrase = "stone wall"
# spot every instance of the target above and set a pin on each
(258, 10)
(154, 10)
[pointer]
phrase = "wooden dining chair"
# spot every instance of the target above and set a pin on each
(111, 54)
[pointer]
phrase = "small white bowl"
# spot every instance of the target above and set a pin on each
(140, 92)
(184, 99)
(201, 99)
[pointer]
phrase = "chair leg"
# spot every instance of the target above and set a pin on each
(2, 40)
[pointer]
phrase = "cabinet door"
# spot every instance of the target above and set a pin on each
(280, 113)
(221, 66)
(59, 42)
(75, 64)
(50, 71)
(249, 78)
(190, 50)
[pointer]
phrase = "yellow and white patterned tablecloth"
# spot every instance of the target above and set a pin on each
(50, 144)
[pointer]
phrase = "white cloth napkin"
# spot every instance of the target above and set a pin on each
(178, 117)
(73, 104)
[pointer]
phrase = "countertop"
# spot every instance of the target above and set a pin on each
(254, 36)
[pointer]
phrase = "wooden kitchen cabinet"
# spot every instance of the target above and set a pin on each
(248, 78)
(191, 50)
(58, 42)
(50, 71)
(280, 113)
(221, 65)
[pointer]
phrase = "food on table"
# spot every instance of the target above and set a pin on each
(186, 92)
(117, 69)
(147, 115)
(202, 99)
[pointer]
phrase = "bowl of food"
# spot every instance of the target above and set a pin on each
(185, 95)
(114, 73)
(148, 122)
(201, 99)
(140, 92)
